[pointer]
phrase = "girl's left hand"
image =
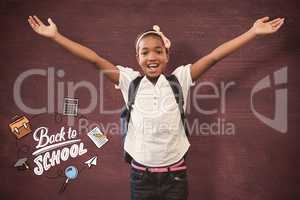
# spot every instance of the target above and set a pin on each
(263, 26)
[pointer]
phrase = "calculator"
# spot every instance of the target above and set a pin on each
(70, 106)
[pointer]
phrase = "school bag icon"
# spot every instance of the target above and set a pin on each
(20, 127)
(133, 87)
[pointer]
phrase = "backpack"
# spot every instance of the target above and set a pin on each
(133, 87)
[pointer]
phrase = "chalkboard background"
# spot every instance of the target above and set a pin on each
(257, 162)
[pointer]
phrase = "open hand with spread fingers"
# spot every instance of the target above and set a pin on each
(39, 27)
(263, 26)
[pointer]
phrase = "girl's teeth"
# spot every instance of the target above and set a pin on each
(153, 65)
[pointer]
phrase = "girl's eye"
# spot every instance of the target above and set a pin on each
(144, 53)
(159, 51)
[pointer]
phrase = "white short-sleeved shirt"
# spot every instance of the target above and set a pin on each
(156, 135)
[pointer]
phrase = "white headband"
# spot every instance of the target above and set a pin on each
(156, 30)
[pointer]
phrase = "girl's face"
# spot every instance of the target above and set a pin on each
(152, 56)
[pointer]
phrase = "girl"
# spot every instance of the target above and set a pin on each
(156, 138)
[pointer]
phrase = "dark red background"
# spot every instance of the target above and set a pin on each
(255, 163)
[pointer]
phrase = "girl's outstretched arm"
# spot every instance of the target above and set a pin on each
(261, 27)
(75, 48)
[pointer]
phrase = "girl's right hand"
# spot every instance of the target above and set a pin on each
(39, 27)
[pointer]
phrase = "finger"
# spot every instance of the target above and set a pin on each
(30, 23)
(50, 21)
(278, 27)
(264, 19)
(38, 20)
(275, 20)
(33, 21)
(275, 24)
(33, 24)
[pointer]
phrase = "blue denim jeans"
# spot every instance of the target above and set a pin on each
(158, 186)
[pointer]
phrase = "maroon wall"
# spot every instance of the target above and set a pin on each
(257, 162)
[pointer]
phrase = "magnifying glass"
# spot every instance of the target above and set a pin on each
(71, 173)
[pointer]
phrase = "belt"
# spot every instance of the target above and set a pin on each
(176, 167)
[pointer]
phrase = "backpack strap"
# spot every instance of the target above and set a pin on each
(125, 114)
(133, 86)
(178, 94)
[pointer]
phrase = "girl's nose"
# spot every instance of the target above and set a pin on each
(151, 56)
